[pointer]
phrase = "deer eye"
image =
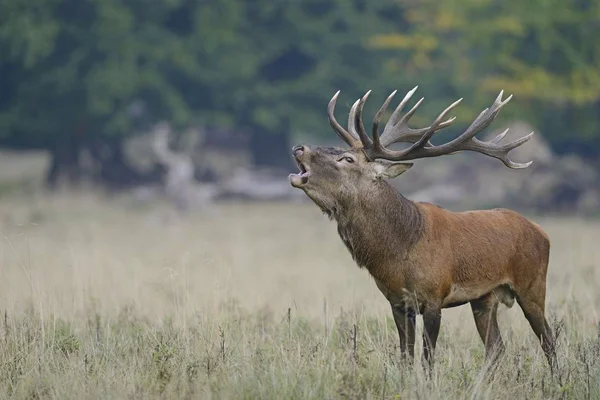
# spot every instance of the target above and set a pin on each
(347, 159)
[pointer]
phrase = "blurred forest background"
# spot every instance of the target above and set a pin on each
(202, 100)
(151, 245)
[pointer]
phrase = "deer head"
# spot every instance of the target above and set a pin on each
(329, 175)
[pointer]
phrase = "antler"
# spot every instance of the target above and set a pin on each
(397, 130)
(351, 140)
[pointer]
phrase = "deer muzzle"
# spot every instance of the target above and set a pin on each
(299, 179)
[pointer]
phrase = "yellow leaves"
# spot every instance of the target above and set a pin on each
(413, 16)
(464, 16)
(421, 60)
(579, 87)
(419, 42)
(446, 21)
(510, 25)
(435, 20)
(418, 46)
(518, 87)
(525, 51)
(585, 86)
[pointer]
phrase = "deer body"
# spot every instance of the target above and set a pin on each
(422, 257)
(441, 257)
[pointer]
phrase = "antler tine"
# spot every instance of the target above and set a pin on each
(493, 149)
(396, 114)
(466, 141)
(358, 123)
(496, 107)
(392, 132)
(435, 126)
(483, 120)
(397, 129)
(499, 138)
(351, 119)
(382, 109)
(342, 133)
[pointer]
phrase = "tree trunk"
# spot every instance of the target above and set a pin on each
(64, 164)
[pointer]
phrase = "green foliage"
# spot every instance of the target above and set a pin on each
(540, 51)
(78, 65)
(74, 70)
(282, 61)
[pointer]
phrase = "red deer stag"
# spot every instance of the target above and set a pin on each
(422, 257)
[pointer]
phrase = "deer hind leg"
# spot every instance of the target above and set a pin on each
(532, 304)
(405, 322)
(485, 311)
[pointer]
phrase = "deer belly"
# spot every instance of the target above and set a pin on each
(460, 294)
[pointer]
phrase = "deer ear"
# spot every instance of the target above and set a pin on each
(391, 170)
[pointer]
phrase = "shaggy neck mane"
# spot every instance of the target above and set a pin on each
(378, 224)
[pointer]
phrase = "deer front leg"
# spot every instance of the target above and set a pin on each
(405, 322)
(432, 317)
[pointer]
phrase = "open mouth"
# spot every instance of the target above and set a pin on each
(300, 178)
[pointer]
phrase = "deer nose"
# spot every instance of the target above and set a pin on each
(298, 150)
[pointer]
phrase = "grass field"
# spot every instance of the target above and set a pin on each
(112, 300)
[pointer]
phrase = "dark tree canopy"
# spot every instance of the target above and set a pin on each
(78, 74)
